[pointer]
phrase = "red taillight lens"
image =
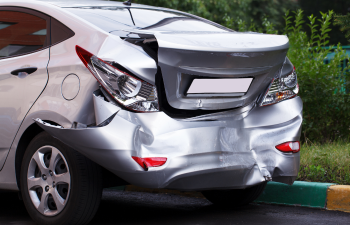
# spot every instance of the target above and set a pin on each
(84, 55)
(291, 146)
(145, 163)
(133, 93)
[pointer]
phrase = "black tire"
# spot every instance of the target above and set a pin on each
(235, 197)
(85, 185)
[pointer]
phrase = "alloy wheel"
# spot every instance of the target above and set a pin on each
(48, 180)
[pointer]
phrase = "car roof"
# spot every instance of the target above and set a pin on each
(87, 3)
(54, 8)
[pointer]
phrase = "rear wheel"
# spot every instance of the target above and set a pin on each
(58, 184)
(235, 197)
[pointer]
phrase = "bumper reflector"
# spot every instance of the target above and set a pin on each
(291, 146)
(145, 163)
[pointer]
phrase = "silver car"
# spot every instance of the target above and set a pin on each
(97, 94)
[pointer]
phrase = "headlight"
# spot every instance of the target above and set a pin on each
(281, 88)
(131, 92)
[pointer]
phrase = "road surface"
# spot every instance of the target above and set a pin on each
(129, 208)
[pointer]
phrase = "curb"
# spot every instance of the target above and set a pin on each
(338, 198)
(307, 194)
(301, 193)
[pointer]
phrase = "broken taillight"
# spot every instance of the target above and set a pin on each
(291, 146)
(131, 92)
(145, 163)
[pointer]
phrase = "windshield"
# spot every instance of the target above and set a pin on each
(119, 18)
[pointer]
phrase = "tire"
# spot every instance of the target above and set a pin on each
(235, 197)
(65, 189)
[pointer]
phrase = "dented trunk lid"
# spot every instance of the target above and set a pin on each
(187, 56)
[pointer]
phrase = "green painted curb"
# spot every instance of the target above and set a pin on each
(301, 193)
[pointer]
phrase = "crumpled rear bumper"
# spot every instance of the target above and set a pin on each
(232, 150)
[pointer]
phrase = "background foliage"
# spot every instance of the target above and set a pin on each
(344, 22)
(340, 7)
(324, 87)
(231, 12)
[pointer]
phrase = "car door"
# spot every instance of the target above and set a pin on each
(24, 55)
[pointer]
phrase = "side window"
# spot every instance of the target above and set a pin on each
(59, 32)
(21, 33)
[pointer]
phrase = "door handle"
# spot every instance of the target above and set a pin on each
(27, 70)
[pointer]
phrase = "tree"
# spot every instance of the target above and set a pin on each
(232, 13)
(344, 22)
(312, 7)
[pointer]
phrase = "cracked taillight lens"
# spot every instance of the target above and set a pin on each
(281, 88)
(131, 92)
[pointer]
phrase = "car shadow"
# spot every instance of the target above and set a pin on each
(12, 210)
(149, 208)
(128, 208)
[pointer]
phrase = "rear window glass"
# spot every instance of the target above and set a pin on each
(117, 18)
(106, 18)
(21, 33)
(146, 17)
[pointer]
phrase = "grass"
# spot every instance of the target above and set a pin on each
(328, 162)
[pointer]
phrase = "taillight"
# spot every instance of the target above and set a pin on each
(131, 92)
(145, 163)
(291, 146)
(281, 88)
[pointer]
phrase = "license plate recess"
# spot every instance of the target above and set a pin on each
(225, 87)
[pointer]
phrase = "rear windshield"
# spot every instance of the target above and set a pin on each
(119, 18)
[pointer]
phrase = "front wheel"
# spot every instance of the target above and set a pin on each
(235, 197)
(58, 184)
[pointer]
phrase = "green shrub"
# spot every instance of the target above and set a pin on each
(344, 22)
(324, 88)
(231, 12)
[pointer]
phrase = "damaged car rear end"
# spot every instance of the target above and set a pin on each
(208, 111)
(165, 99)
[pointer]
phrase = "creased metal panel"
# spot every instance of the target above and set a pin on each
(220, 154)
(108, 146)
(102, 110)
(131, 57)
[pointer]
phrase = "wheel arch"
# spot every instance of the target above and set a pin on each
(27, 136)
(109, 179)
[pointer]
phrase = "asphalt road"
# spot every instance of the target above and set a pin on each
(147, 208)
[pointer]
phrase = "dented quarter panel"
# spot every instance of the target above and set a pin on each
(131, 57)
(51, 105)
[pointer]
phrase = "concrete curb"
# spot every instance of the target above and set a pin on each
(338, 198)
(307, 194)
